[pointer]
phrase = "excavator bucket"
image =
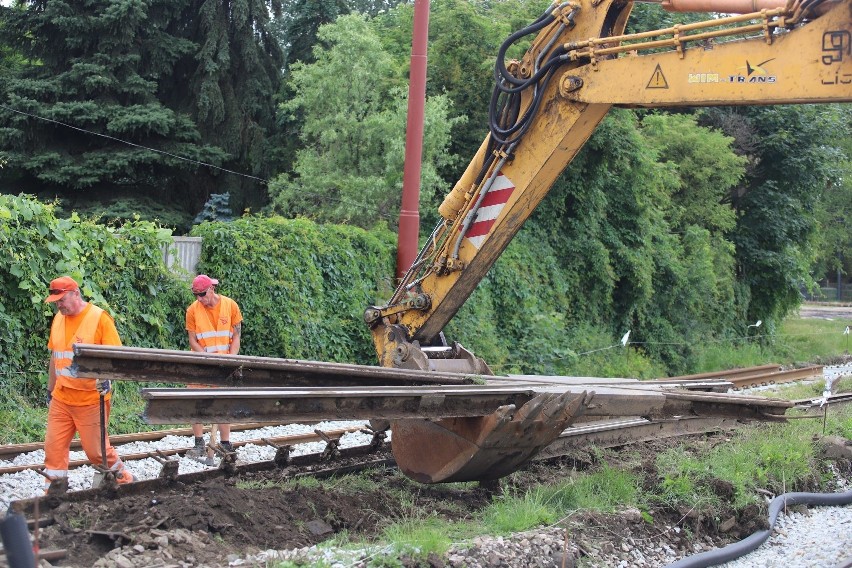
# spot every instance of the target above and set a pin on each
(486, 447)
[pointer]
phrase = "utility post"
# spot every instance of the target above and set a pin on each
(409, 214)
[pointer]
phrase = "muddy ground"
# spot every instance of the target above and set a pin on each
(206, 523)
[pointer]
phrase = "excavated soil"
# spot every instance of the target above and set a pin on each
(208, 522)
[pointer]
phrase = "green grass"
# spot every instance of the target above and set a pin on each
(797, 341)
(419, 537)
(810, 339)
(773, 457)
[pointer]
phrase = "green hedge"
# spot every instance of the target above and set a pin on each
(302, 288)
(120, 269)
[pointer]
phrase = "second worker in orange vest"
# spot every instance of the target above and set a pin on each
(74, 402)
(214, 324)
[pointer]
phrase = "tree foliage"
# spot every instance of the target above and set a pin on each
(464, 37)
(353, 132)
(676, 226)
(705, 165)
(628, 254)
(227, 86)
(834, 206)
(82, 112)
(792, 161)
(217, 208)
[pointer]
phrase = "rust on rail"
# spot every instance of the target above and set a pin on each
(444, 427)
(170, 366)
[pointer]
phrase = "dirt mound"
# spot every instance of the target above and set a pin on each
(205, 523)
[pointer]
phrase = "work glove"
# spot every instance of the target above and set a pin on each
(103, 385)
(49, 397)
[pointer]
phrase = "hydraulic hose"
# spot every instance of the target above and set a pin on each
(543, 21)
(737, 549)
(16, 541)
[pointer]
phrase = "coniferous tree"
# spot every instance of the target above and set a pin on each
(128, 96)
(81, 114)
(228, 86)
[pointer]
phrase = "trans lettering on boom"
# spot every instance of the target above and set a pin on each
(750, 74)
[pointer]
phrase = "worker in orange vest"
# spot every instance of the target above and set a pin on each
(214, 324)
(74, 402)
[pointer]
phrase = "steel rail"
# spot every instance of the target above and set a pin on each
(17, 449)
(296, 465)
(335, 434)
(726, 374)
(188, 367)
(718, 385)
(817, 403)
(396, 403)
(611, 433)
(767, 379)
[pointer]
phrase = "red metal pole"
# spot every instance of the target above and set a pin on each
(409, 214)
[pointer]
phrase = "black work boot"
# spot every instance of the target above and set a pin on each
(199, 449)
(226, 445)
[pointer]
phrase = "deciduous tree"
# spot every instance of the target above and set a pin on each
(354, 110)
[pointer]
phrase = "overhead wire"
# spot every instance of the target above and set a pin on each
(362, 206)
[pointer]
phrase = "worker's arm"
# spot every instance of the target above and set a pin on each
(235, 341)
(193, 342)
(51, 376)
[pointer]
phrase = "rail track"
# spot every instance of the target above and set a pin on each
(333, 460)
(602, 432)
(753, 377)
(717, 381)
(599, 432)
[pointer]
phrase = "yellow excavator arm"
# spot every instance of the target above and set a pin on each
(547, 105)
(543, 110)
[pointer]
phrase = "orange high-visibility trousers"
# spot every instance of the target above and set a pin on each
(63, 420)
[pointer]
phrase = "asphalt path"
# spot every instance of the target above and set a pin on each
(826, 311)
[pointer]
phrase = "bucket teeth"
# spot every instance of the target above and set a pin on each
(532, 409)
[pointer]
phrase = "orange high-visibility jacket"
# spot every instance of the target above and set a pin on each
(74, 391)
(214, 337)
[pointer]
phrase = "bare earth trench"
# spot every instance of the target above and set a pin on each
(225, 523)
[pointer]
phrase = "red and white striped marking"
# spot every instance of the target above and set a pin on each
(489, 209)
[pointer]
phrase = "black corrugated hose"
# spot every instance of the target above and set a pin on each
(737, 549)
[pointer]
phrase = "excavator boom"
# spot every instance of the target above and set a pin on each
(543, 110)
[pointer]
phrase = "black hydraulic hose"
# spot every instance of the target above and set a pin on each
(524, 123)
(542, 22)
(554, 58)
(16, 541)
(808, 6)
(737, 549)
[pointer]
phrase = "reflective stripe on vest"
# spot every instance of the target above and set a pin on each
(63, 351)
(61, 362)
(214, 337)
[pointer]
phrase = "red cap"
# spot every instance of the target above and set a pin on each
(202, 282)
(61, 286)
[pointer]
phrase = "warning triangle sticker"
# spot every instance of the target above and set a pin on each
(658, 80)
